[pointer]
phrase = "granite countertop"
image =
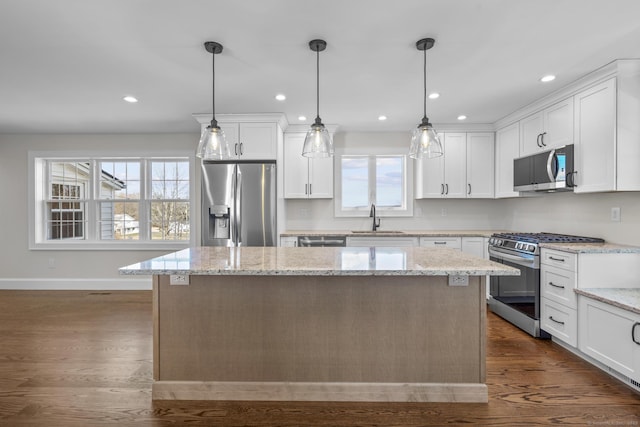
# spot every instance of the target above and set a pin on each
(595, 248)
(625, 298)
(343, 261)
(394, 233)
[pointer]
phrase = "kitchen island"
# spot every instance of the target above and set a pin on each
(325, 324)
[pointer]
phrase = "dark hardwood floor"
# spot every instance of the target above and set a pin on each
(71, 358)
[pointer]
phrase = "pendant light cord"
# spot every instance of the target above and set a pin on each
(213, 91)
(425, 82)
(318, 84)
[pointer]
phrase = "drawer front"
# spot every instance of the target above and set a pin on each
(559, 321)
(559, 259)
(557, 284)
(441, 242)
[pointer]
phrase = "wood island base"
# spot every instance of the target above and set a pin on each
(385, 338)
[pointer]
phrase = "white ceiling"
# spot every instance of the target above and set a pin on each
(66, 64)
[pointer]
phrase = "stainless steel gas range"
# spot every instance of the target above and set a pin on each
(517, 298)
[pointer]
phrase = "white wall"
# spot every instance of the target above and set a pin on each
(21, 267)
(568, 213)
(581, 214)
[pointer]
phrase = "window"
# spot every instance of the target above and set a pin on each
(373, 179)
(101, 202)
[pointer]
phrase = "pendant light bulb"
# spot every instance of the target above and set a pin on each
(424, 139)
(318, 142)
(213, 145)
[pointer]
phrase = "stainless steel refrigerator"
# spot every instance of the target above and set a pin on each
(238, 203)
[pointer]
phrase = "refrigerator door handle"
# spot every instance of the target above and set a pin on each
(238, 239)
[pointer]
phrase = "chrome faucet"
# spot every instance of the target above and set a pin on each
(372, 214)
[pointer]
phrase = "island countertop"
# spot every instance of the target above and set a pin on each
(338, 261)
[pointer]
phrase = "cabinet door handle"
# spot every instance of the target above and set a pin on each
(556, 286)
(554, 320)
(447, 189)
(538, 140)
(542, 139)
(310, 191)
(556, 259)
(235, 148)
(633, 334)
(441, 188)
(469, 192)
(305, 188)
(241, 152)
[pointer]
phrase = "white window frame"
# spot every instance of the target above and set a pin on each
(405, 211)
(38, 192)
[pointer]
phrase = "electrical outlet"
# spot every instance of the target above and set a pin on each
(458, 280)
(615, 214)
(179, 279)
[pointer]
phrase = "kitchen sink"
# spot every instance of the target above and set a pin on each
(377, 232)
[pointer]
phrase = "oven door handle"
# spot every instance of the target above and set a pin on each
(513, 258)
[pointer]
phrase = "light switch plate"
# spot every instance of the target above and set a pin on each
(615, 214)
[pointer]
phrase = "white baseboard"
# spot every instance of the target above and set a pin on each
(75, 284)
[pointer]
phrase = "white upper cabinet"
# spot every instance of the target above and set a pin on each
(547, 129)
(305, 178)
(507, 149)
(480, 165)
(251, 141)
(454, 175)
(595, 154)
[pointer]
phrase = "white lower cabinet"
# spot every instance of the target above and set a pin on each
(441, 242)
(558, 301)
(560, 321)
(610, 335)
(393, 242)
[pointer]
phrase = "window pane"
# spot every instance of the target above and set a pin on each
(170, 180)
(389, 182)
(119, 221)
(170, 221)
(355, 182)
(65, 220)
(120, 180)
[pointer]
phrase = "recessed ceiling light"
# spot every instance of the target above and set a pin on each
(382, 118)
(131, 99)
(434, 95)
(548, 78)
(462, 117)
(280, 97)
(302, 118)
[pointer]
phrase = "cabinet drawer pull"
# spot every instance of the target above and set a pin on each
(633, 335)
(556, 286)
(554, 320)
(439, 243)
(556, 259)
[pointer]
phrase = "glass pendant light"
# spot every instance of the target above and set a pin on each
(318, 142)
(213, 144)
(424, 140)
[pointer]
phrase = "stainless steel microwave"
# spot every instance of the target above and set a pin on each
(547, 171)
